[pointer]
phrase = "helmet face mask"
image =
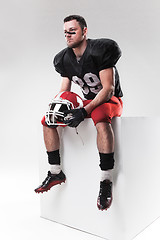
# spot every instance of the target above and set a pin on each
(55, 114)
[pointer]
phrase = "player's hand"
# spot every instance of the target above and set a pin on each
(74, 117)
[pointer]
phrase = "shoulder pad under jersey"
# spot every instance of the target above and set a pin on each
(105, 52)
(58, 62)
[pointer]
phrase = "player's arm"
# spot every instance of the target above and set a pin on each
(78, 115)
(107, 81)
(65, 85)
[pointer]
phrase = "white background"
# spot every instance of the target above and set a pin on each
(31, 33)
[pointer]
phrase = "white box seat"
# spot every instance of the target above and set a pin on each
(136, 194)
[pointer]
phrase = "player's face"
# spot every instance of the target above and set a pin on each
(73, 34)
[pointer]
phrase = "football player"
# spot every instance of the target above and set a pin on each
(90, 63)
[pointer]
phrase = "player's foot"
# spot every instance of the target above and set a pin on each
(105, 195)
(50, 181)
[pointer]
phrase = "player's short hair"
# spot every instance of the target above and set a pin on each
(78, 18)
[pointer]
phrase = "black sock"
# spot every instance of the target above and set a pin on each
(54, 157)
(106, 161)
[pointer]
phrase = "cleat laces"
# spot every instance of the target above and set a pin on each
(47, 178)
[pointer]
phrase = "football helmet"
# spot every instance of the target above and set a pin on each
(62, 102)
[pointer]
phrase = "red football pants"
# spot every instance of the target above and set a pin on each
(106, 111)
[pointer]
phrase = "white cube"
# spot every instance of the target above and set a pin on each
(136, 194)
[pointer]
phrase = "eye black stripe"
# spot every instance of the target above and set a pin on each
(70, 33)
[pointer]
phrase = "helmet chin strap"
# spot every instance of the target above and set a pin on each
(79, 136)
(61, 132)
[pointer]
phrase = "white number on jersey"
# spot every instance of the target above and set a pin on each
(90, 82)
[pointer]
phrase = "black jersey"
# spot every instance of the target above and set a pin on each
(99, 54)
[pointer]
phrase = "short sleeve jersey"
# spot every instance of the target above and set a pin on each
(99, 54)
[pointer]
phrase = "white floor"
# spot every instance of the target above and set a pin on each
(20, 211)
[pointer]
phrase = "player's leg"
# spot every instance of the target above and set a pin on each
(102, 116)
(51, 138)
(105, 137)
(55, 175)
(105, 144)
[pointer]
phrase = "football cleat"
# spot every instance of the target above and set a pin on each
(50, 181)
(105, 195)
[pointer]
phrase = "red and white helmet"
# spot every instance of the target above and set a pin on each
(62, 101)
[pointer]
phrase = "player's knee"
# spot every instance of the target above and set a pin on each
(101, 126)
